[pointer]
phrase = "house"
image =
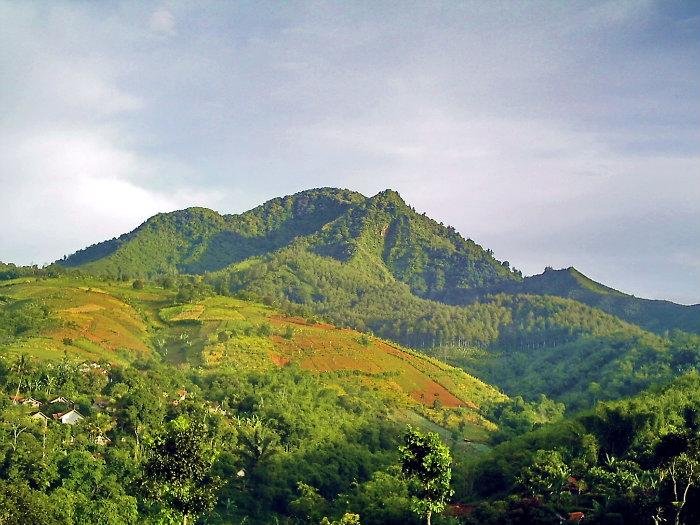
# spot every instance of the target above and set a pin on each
(576, 517)
(68, 418)
(40, 416)
(30, 401)
(101, 403)
(102, 440)
(62, 400)
(181, 395)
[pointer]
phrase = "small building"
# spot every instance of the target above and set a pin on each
(102, 440)
(30, 401)
(40, 416)
(68, 418)
(61, 400)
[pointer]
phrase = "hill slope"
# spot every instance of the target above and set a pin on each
(376, 265)
(431, 258)
(102, 320)
(657, 316)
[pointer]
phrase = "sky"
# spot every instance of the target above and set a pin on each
(555, 133)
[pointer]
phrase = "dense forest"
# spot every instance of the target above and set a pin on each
(631, 461)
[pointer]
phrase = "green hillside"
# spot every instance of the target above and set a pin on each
(431, 258)
(629, 461)
(655, 315)
(104, 320)
(374, 264)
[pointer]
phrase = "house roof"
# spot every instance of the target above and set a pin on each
(61, 415)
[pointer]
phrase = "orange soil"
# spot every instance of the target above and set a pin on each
(313, 350)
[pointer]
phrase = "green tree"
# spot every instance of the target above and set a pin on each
(426, 463)
(546, 476)
(178, 473)
(347, 519)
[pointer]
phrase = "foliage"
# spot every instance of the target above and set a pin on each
(425, 461)
(637, 459)
(178, 473)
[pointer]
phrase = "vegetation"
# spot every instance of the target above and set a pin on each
(425, 461)
(630, 461)
(376, 265)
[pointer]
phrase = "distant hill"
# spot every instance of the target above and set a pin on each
(340, 224)
(657, 316)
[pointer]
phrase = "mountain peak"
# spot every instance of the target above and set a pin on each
(388, 199)
(389, 195)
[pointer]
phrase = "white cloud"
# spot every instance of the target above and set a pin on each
(69, 187)
(545, 131)
(163, 21)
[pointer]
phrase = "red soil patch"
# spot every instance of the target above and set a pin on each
(279, 360)
(320, 350)
(432, 391)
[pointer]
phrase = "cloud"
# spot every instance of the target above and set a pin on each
(71, 187)
(555, 134)
(163, 21)
(70, 171)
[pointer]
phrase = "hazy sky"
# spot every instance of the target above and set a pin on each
(555, 133)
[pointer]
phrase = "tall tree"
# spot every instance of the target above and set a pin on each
(426, 463)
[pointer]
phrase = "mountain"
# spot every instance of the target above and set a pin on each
(374, 264)
(657, 316)
(382, 231)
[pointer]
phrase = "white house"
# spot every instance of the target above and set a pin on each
(102, 440)
(62, 400)
(30, 401)
(68, 418)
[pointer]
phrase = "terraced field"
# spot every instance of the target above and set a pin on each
(93, 319)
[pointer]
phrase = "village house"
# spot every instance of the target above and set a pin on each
(30, 401)
(68, 418)
(102, 440)
(40, 416)
(62, 400)
(181, 396)
(16, 400)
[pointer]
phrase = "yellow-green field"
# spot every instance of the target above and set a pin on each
(111, 320)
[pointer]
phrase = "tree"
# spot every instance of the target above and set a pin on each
(178, 472)
(546, 476)
(680, 464)
(426, 463)
(20, 367)
(347, 519)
